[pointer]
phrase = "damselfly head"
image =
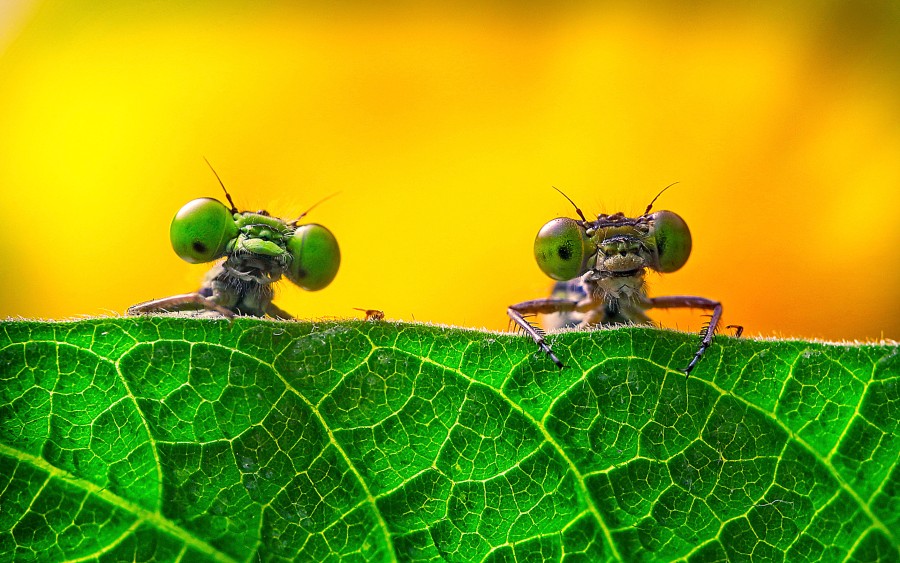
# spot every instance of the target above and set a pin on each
(205, 230)
(613, 244)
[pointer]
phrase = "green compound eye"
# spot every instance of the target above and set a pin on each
(315, 257)
(201, 230)
(562, 249)
(673, 240)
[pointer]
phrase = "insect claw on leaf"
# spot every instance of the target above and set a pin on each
(546, 348)
(738, 330)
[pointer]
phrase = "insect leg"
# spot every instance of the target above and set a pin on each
(277, 312)
(678, 301)
(544, 306)
(184, 302)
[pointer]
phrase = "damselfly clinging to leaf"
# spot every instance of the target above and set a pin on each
(601, 266)
(258, 249)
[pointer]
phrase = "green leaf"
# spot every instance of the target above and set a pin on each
(162, 438)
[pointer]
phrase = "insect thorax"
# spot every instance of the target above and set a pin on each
(257, 258)
(614, 300)
(240, 292)
(602, 287)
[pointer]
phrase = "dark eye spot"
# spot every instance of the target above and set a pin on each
(564, 252)
(198, 247)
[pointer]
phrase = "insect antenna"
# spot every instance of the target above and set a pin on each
(649, 207)
(580, 214)
(313, 206)
(227, 195)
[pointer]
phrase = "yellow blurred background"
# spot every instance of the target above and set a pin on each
(443, 128)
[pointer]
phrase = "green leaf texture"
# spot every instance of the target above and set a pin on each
(162, 438)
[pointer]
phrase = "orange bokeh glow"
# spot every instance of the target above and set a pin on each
(443, 130)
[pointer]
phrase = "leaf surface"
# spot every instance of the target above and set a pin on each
(163, 438)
